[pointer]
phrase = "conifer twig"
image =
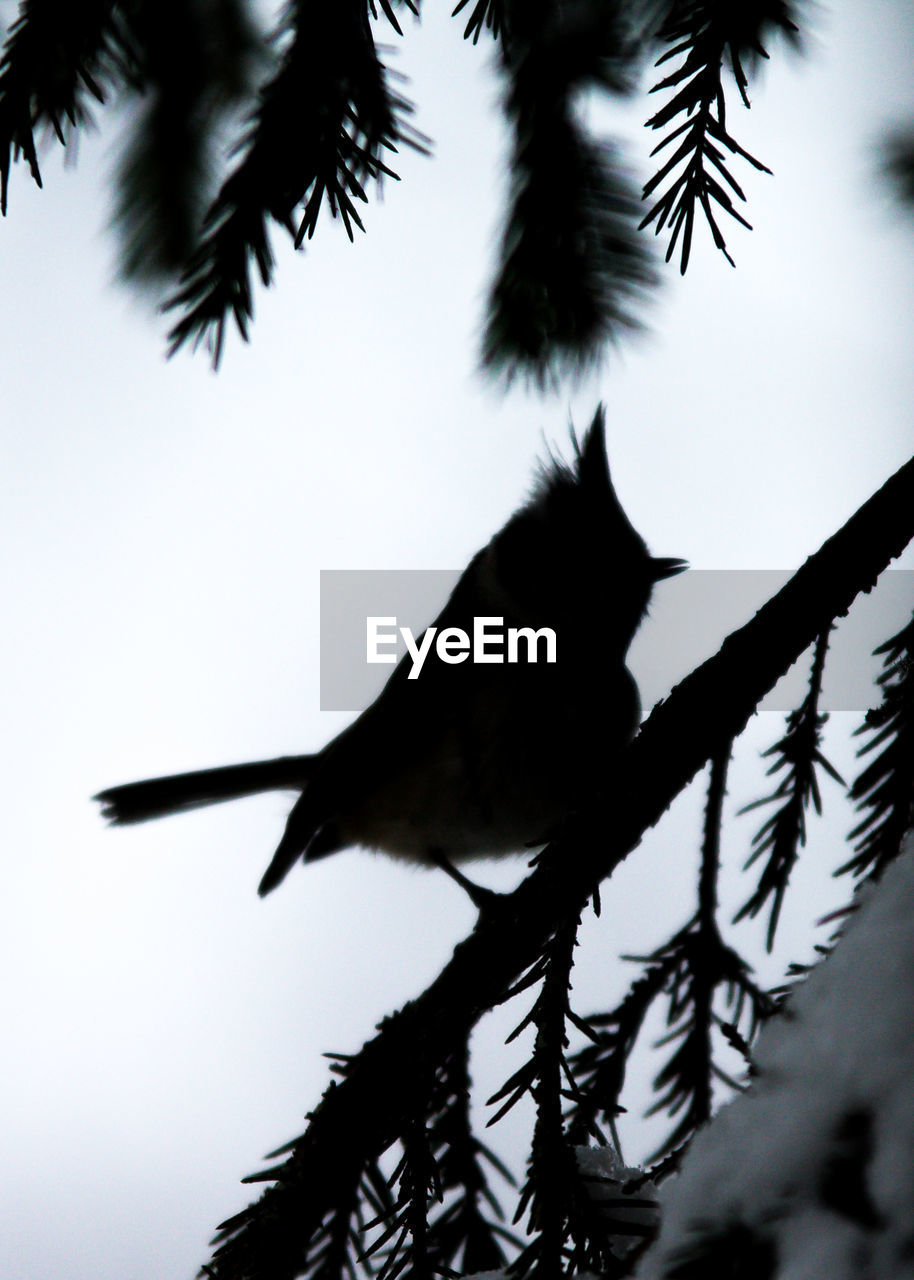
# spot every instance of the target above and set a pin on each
(783, 834)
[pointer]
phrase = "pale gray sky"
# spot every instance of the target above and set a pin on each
(164, 529)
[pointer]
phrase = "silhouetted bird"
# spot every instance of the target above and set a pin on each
(474, 759)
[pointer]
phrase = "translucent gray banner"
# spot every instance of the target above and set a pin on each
(690, 615)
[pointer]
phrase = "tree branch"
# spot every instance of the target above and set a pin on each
(56, 57)
(364, 1114)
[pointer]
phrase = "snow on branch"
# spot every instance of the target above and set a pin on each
(811, 1172)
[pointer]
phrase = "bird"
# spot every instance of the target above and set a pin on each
(474, 759)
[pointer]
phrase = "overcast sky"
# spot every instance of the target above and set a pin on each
(164, 529)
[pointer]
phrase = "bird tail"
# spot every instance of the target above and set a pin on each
(159, 797)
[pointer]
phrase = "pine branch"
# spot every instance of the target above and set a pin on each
(700, 965)
(572, 271)
(703, 966)
(690, 969)
(551, 1171)
(443, 1163)
(386, 7)
(710, 845)
(57, 56)
(578, 1221)
(408, 1226)
(884, 789)
(783, 834)
(468, 1230)
(488, 14)
(899, 163)
(335, 1248)
(358, 1118)
(661, 1170)
(195, 63)
(599, 1068)
(345, 118)
(705, 35)
(796, 974)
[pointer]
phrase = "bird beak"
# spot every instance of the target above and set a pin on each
(666, 568)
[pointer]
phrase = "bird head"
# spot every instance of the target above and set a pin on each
(570, 558)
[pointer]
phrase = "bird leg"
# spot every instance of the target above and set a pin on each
(480, 897)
